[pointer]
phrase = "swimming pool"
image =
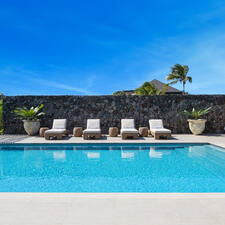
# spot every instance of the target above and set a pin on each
(112, 168)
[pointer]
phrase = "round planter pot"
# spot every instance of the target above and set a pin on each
(31, 127)
(197, 126)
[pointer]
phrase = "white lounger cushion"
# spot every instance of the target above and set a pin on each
(93, 124)
(127, 124)
(156, 126)
(161, 131)
(55, 131)
(129, 131)
(59, 124)
(90, 131)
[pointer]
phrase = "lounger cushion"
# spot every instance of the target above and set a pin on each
(55, 131)
(155, 124)
(129, 131)
(127, 124)
(92, 131)
(161, 131)
(93, 124)
(59, 124)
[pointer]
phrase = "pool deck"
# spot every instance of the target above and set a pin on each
(216, 139)
(113, 208)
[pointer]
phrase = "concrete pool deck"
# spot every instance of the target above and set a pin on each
(216, 139)
(114, 208)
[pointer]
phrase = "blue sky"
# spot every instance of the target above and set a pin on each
(97, 47)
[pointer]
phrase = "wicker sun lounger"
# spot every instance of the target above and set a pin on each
(93, 129)
(128, 129)
(58, 129)
(157, 130)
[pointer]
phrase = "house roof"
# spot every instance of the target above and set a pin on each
(160, 85)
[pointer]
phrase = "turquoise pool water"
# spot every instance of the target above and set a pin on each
(112, 168)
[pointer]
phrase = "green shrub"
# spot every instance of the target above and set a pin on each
(119, 93)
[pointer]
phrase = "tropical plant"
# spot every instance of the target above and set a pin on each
(31, 114)
(119, 93)
(149, 89)
(196, 114)
(1, 123)
(179, 74)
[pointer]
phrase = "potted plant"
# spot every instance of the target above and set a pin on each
(30, 118)
(196, 125)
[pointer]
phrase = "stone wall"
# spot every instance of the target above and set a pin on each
(111, 109)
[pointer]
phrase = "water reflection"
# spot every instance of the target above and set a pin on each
(154, 154)
(59, 156)
(92, 155)
(127, 155)
(196, 151)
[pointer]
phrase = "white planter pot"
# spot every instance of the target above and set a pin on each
(31, 127)
(197, 126)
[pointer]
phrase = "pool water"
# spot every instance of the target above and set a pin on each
(112, 168)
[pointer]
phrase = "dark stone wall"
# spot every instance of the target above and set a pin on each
(111, 109)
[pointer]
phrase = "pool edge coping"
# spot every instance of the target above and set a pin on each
(210, 195)
(108, 143)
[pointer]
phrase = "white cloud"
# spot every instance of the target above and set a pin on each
(28, 78)
(61, 86)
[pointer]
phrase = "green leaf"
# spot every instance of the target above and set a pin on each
(147, 88)
(29, 114)
(196, 113)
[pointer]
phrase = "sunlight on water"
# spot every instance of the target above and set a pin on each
(112, 168)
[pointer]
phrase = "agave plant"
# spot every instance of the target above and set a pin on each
(31, 114)
(196, 114)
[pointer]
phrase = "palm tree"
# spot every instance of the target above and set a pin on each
(179, 73)
(147, 89)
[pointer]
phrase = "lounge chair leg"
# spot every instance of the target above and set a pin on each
(97, 136)
(85, 136)
(47, 137)
(59, 137)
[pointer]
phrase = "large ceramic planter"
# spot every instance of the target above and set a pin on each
(31, 127)
(197, 126)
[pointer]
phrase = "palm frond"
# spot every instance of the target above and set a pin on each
(185, 69)
(173, 82)
(147, 88)
(189, 79)
(172, 76)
